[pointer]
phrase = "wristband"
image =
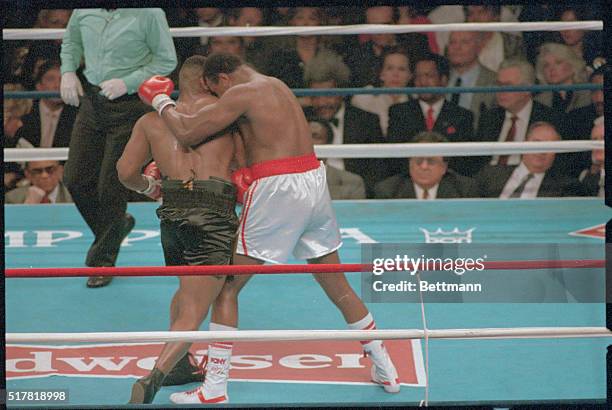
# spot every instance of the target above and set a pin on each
(161, 101)
(152, 185)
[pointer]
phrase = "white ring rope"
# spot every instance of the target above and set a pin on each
(403, 150)
(54, 34)
(293, 335)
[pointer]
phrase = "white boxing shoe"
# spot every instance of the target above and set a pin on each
(196, 396)
(383, 371)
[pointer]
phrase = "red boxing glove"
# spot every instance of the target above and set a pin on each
(153, 176)
(156, 92)
(242, 178)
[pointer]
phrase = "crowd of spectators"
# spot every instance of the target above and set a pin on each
(453, 59)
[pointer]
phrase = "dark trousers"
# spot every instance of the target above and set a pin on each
(101, 131)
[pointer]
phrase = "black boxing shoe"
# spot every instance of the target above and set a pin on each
(101, 281)
(145, 389)
(186, 370)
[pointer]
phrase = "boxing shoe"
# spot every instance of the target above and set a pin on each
(101, 281)
(186, 370)
(383, 371)
(144, 389)
(197, 396)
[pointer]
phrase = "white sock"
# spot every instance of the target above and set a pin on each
(217, 369)
(367, 323)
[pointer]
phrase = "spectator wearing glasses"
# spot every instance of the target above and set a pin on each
(45, 185)
(427, 178)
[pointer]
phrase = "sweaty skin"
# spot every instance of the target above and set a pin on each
(273, 126)
(271, 121)
(151, 137)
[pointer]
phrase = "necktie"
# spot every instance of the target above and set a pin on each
(425, 193)
(45, 200)
(429, 121)
(455, 97)
(519, 189)
(503, 159)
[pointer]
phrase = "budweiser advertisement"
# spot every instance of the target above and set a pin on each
(279, 362)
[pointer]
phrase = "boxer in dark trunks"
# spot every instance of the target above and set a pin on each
(197, 217)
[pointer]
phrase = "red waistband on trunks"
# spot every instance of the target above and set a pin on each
(289, 165)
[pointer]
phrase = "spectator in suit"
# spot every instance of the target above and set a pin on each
(532, 177)
(342, 184)
(395, 72)
(427, 178)
(587, 45)
(466, 71)
(255, 50)
(593, 178)
(365, 60)
(350, 125)
(510, 120)
(579, 121)
(50, 122)
(23, 59)
(495, 46)
(45, 185)
(431, 112)
(289, 63)
(557, 64)
(208, 17)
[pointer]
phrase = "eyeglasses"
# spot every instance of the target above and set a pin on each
(38, 171)
(430, 161)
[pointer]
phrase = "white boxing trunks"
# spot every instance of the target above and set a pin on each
(287, 210)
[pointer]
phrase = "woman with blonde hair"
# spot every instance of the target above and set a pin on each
(13, 111)
(557, 64)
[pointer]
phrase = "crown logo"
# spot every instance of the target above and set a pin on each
(454, 236)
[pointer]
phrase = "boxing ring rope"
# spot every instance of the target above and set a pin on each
(401, 150)
(276, 269)
(301, 335)
(307, 92)
(55, 34)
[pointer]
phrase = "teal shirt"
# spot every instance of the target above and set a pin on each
(130, 44)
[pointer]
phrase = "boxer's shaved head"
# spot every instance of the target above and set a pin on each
(191, 73)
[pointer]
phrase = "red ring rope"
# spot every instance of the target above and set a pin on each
(270, 269)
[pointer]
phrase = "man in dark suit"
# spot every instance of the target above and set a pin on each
(516, 111)
(578, 123)
(431, 112)
(427, 178)
(350, 125)
(593, 177)
(365, 60)
(50, 122)
(342, 184)
(532, 177)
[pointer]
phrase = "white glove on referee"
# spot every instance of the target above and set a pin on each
(113, 88)
(70, 88)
